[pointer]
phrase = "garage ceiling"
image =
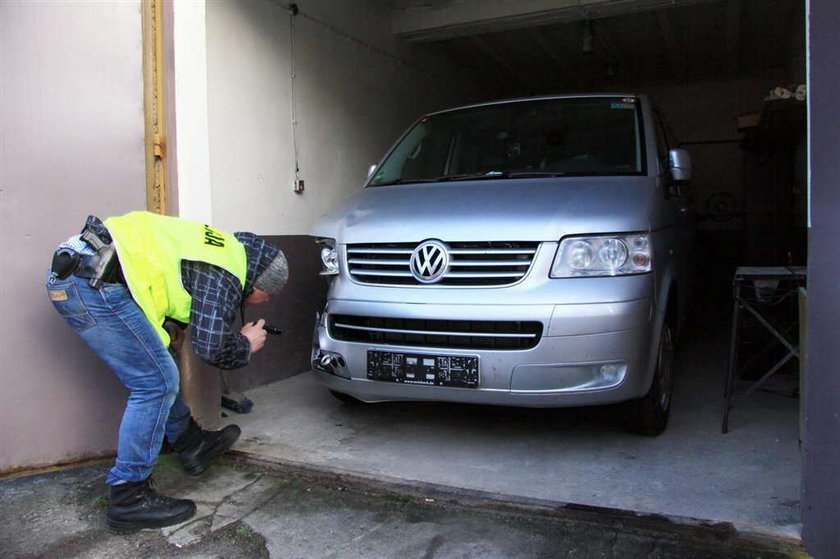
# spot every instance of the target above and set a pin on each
(601, 44)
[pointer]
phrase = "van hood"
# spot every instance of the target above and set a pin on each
(544, 209)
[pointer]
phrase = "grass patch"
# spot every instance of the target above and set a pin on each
(396, 499)
(100, 501)
(244, 531)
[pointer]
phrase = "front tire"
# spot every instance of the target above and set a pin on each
(346, 399)
(649, 414)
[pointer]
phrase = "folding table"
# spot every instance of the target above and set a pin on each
(754, 287)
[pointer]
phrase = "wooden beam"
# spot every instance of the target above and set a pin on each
(153, 95)
(490, 51)
(615, 52)
(464, 58)
(562, 68)
(733, 34)
(472, 17)
(675, 56)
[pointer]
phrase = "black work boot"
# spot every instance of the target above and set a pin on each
(136, 505)
(196, 447)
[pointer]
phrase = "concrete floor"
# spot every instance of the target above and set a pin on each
(247, 512)
(749, 477)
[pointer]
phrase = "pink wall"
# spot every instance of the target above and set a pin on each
(71, 143)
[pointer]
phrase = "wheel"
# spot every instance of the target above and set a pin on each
(346, 398)
(649, 414)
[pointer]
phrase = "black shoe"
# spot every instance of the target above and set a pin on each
(196, 448)
(136, 505)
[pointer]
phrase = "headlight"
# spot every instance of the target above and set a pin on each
(605, 255)
(329, 257)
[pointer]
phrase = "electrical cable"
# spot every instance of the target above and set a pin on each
(397, 59)
(293, 12)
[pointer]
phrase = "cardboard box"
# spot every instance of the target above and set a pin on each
(748, 120)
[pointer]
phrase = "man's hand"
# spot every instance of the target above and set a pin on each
(255, 333)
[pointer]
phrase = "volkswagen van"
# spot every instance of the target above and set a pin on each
(528, 252)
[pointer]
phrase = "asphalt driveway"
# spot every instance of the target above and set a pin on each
(245, 511)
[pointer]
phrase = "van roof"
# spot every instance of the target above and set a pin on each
(536, 98)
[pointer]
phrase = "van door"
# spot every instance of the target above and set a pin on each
(679, 204)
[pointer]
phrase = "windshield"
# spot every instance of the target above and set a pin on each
(547, 137)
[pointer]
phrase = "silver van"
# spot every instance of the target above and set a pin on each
(528, 252)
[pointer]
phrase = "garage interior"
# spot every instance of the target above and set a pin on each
(261, 98)
(713, 67)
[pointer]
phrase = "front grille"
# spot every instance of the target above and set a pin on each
(470, 264)
(418, 332)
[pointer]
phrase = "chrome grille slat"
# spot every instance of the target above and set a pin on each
(491, 263)
(472, 264)
(379, 262)
(389, 273)
(380, 251)
(494, 252)
(477, 275)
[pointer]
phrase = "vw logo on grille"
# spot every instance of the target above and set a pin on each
(429, 261)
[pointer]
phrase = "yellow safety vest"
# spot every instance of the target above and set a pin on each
(151, 247)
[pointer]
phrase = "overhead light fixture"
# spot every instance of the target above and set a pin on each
(587, 42)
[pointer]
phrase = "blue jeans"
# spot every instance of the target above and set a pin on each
(114, 326)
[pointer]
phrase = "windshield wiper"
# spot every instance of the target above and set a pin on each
(485, 175)
(533, 174)
(401, 181)
(490, 175)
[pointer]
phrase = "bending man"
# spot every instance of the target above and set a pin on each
(115, 284)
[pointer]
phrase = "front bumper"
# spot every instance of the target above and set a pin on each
(589, 354)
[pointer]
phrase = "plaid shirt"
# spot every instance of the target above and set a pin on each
(216, 297)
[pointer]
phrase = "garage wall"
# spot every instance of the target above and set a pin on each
(703, 116)
(821, 441)
(71, 143)
(766, 218)
(355, 89)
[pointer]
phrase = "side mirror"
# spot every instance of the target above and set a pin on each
(371, 170)
(680, 162)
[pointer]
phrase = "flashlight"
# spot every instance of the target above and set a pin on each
(272, 330)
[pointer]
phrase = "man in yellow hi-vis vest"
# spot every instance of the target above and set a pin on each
(115, 284)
